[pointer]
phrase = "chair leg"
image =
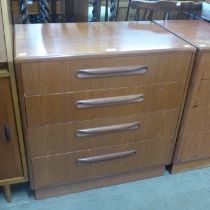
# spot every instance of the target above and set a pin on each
(106, 11)
(53, 11)
(7, 193)
(117, 10)
(137, 16)
(113, 10)
(128, 10)
(96, 12)
(165, 16)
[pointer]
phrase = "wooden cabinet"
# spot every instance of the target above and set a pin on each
(193, 146)
(12, 155)
(100, 102)
(10, 161)
(12, 158)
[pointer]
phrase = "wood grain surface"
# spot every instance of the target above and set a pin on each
(196, 32)
(98, 183)
(57, 103)
(60, 169)
(61, 108)
(61, 76)
(10, 161)
(62, 138)
(193, 143)
(73, 40)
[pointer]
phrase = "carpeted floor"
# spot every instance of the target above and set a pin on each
(183, 191)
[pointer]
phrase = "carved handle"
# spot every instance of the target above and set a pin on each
(111, 72)
(107, 157)
(7, 132)
(107, 129)
(110, 101)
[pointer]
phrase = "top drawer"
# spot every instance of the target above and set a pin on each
(103, 73)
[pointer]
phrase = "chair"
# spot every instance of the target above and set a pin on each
(24, 11)
(49, 11)
(112, 4)
(164, 9)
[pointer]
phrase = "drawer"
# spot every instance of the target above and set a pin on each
(203, 95)
(103, 73)
(96, 163)
(62, 138)
(57, 108)
(196, 120)
(204, 65)
(196, 146)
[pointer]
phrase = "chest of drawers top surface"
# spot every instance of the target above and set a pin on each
(71, 40)
(196, 32)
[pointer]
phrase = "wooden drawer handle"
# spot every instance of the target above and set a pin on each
(107, 129)
(107, 157)
(110, 101)
(7, 132)
(111, 72)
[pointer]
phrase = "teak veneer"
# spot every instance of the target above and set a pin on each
(12, 154)
(101, 102)
(193, 145)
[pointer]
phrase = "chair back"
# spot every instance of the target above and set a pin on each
(163, 9)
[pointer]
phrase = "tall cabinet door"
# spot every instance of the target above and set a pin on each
(10, 160)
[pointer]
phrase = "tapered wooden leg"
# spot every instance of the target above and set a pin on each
(7, 193)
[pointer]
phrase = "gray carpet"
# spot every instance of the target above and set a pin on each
(183, 191)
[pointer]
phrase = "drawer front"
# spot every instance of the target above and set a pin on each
(196, 146)
(57, 108)
(90, 164)
(62, 138)
(196, 120)
(204, 65)
(203, 96)
(103, 73)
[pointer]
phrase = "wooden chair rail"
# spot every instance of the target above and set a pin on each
(164, 9)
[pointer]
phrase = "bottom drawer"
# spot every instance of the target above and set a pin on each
(96, 163)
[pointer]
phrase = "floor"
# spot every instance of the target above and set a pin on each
(183, 191)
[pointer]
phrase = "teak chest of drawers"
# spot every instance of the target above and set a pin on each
(101, 102)
(193, 145)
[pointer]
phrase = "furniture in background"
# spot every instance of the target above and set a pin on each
(44, 11)
(100, 102)
(111, 10)
(12, 156)
(193, 145)
(50, 11)
(206, 10)
(164, 9)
